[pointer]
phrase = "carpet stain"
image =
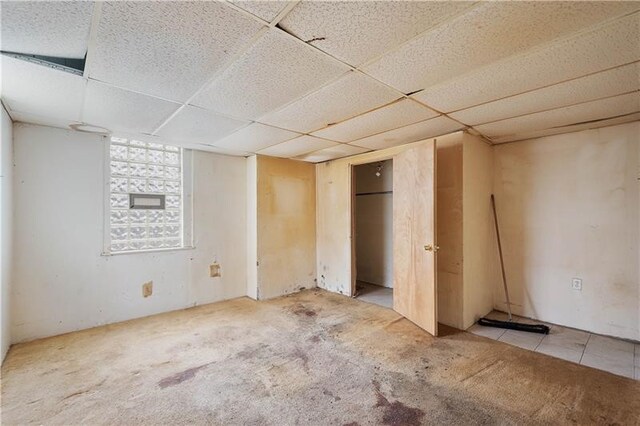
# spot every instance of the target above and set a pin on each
(301, 310)
(301, 355)
(331, 395)
(396, 413)
(81, 392)
(180, 377)
(251, 352)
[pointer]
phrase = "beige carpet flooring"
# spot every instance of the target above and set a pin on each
(311, 358)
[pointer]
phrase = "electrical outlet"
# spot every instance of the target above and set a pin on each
(576, 284)
(214, 270)
(147, 289)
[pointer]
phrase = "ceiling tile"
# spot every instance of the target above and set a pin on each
(42, 91)
(355, 32)
(392, 116)
(267, 10)
(298, 146)
(568, 129)
(608, 46)
(276, 70)
(23, 117)
(121, 110)
(485, 34)
(332, 153)
(347, 97)
(58, 29)
(605, 84)
(415, 132)
(255, 137)
(576, 114)
(197, 125)
(167, 49)
(218, 150)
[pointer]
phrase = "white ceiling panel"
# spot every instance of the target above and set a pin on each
(122, 110)
(567, 129)
(355, 32)
(23, 117)
(275, 71)
(412, 133)
(486, 34)
(197, 125)
(266, 10)
(398, 114)
(576, 114)
(347, 97)
(41, 91)
(332, 153)
(605, 84)
(296, 147)
(58, 29)
(218, 150)
(255, 137)
(609, 46)
(167, 49)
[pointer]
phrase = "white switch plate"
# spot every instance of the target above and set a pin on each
(576, 284)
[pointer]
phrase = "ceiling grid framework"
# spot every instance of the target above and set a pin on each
(320, 90)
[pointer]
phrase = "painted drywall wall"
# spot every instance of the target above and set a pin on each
(479, 245)
(252, 227)
(568, 207)
(449, 208)
(286, 226)
(62, 283)
(334, 231)
(6, 228)
(374, 223)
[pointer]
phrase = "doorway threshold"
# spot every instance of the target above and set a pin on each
(371, 293)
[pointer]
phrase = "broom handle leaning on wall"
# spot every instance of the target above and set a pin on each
(504, 276)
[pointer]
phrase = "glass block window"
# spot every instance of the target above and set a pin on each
(144, 168)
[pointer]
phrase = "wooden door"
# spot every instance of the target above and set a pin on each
(414, 230)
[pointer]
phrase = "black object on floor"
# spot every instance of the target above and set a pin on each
(532, 328)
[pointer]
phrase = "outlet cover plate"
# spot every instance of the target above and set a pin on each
(576, 284)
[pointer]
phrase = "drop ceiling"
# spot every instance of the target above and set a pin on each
(315, 81)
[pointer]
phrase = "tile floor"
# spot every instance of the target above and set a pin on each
(375, 294)
(605, 353)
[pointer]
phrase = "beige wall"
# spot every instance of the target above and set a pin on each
(286, 231)
(449, 210)
(60, 280)
(6, 229)
(569, 207)
(479, 245)
(252, 227)
(374, 223)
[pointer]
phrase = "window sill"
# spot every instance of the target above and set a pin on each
(161, 250)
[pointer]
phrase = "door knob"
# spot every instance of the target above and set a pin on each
(432, 248)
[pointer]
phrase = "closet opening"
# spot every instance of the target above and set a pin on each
(373, 232)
